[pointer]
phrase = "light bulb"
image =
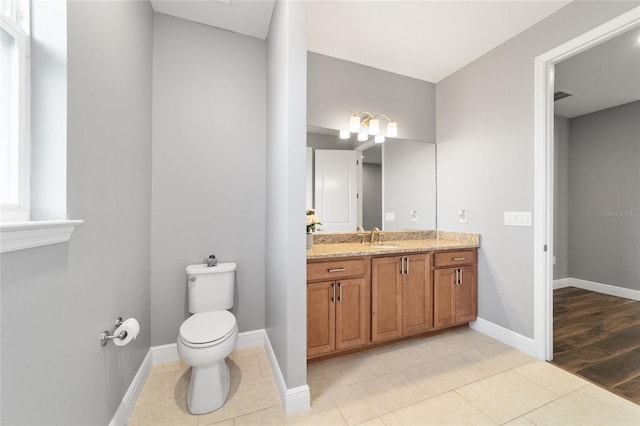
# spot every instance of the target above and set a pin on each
(344, 134)
(354, 124)
(392, 129)
(374, 126)
(379, 139)
(363, 136)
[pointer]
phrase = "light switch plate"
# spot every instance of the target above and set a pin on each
(517, 219)
(462, 216)
(414, 215)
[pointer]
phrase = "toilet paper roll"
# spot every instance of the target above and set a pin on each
(131, 326)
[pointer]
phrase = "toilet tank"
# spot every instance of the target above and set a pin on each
(210, 288)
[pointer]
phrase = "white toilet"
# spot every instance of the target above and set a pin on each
(208, 336)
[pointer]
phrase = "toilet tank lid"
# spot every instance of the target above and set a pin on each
(204, 269)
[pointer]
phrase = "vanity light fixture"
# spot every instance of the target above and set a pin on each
(364, 124)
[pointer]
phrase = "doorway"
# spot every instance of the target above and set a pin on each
(544, 170)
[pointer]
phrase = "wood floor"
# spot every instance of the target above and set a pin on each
(597, 336)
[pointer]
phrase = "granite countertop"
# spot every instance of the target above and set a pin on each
(438, 240)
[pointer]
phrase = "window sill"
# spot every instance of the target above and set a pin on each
(23, 235)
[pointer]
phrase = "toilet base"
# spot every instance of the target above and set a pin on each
(209, 388)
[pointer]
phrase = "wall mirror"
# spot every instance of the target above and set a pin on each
(391, 185)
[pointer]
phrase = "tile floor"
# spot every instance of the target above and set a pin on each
(458, 378)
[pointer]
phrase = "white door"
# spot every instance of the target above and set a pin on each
(336, 194)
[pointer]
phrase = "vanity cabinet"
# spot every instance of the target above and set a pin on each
(455, 294)
(336, 306)
(400, 296)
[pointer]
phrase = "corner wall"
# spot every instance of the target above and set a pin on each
(209, 121)
(485, 134)
(57, 299)
(285, 189)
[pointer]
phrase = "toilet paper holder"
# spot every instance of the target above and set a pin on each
(106, 336)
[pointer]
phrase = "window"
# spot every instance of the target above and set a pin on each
(14, 110)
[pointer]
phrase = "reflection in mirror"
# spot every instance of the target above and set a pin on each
(391, 185)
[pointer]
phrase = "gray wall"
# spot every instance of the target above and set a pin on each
(409, 183)
(371, 196)
(604, 197)
(336, 87)
(286, 307)
(485, 133)
(561, 197)
(208, 166)
(56, 300)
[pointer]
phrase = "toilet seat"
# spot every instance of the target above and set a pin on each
(207, 328)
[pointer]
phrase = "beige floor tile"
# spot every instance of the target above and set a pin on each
(551, 377)
(333, 374)
(181, 384)
(373, 422)
(245, 397)
(321, 414)
(385, 361)
(455, 342)
(446, 409)
(244, 368)
(612, 400)
(228, 422)
(247, 352)
(372, 398)
(505, 396)
(265, 365)
(168, 367)
(520, 421)
(170, 412)
(444, 374)
(157, 388)
(496, 357)
(578, 408)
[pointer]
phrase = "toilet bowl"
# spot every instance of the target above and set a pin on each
(204, 341)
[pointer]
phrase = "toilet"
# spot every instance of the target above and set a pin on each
(208, 336)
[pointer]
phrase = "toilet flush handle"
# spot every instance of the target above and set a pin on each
(192, 278)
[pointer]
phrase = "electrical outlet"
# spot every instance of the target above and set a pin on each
(414, 215)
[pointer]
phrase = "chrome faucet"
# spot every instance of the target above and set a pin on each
(373, 232)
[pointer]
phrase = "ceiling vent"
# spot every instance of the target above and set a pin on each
(560, 95)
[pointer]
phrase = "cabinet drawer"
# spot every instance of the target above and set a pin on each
(335, 269)
(452, 258)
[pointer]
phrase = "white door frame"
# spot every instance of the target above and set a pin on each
(543, 163)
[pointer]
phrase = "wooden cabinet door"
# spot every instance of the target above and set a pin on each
(416, 295)
(444, 297)
(386, 298)
(467, 295)
(351, 325)
(321, 316)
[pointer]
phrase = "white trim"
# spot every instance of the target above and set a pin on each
(506, 336)
(24, 235)
(122, 414)
(609, 289)
(543, 164)
(561, 283)
(292, 400)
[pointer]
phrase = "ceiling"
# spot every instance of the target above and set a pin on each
(247, 17)
(430, 40)
(427, 40)
(604, 76)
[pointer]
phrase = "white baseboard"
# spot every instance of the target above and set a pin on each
(292, 399)
(611, 290)
(561, 283)
(121, 417)
(504, 335)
